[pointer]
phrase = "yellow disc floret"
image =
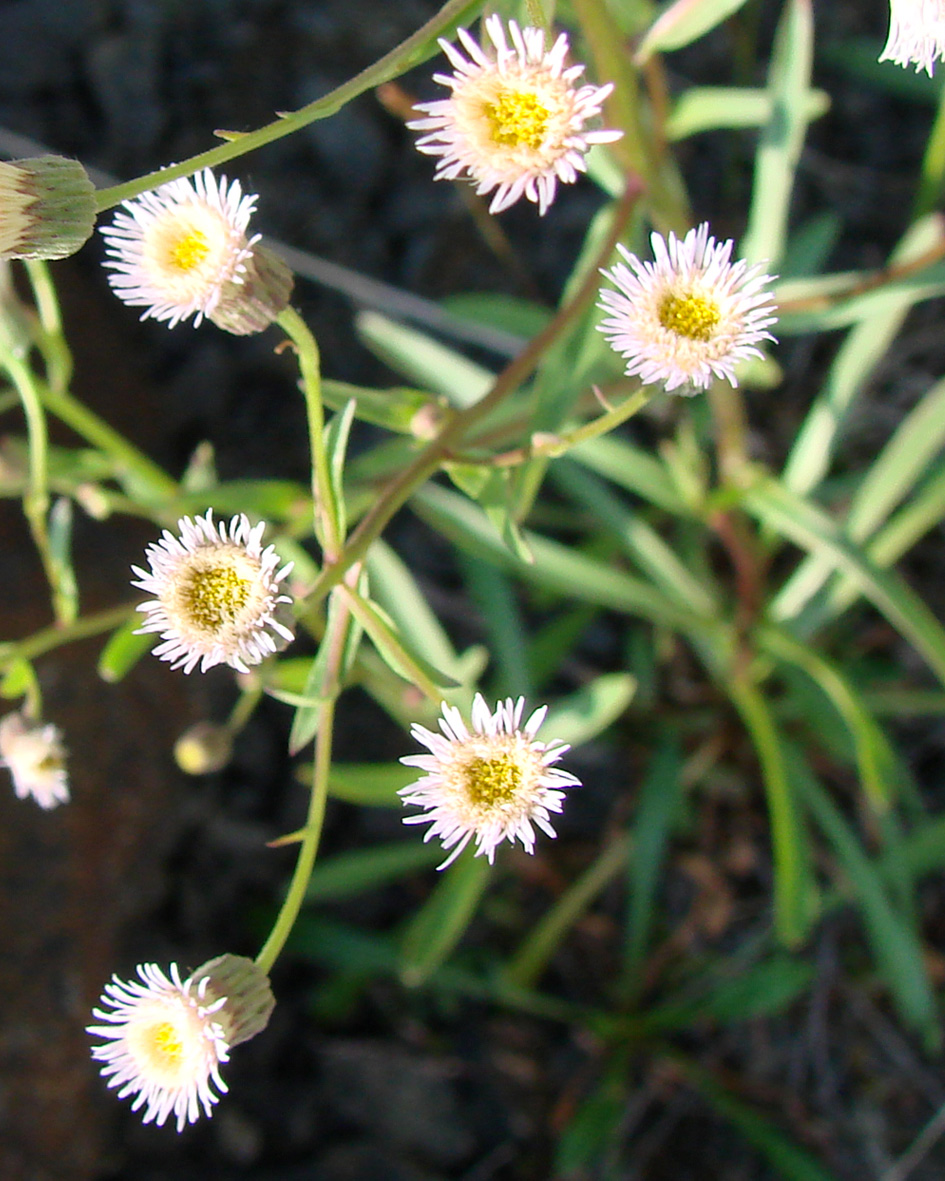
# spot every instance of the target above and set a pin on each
(692, 316)
(492, 781)
(518, 119)
(215, 596)
(189, 250)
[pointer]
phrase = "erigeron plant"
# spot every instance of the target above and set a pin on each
(521, 123)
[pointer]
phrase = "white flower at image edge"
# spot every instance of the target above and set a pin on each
(36, 759)
(174, 249)
(689, 316)
(493, 781)
(216, 594)
(163, 1044)
(515, 119)
(916, 34)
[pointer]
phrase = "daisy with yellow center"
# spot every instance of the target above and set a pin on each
(164, 1044)
(916, 34)
(177, 250)
(217, 594)
(494, 781)
(691, 315)
(165, 1038)
(36, 759)
(514, 122)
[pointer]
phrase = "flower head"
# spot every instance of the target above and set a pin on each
(35, 757)
(515, 119)
(216, 594)
(164, 1043)
(916, 34)
(178, 249)
(690, 315)
(493, 781)
(165, 1038)
(47, 207)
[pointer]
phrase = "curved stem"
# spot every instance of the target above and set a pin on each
(306, 347)
(395, 495)
(53, 637)
(407, 54)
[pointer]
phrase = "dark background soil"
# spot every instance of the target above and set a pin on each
(145, 865)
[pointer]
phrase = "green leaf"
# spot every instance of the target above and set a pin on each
(324, 677)
(707, 108)
(423, 360)
(62, 574)
(353, 873)
(493, 593)
(123, 650)
(682, 22)
(440, 923)
(633, 468)
(595, 1124)
(532, 957)
(783, 136)
(395, 591)
(336, 447)
(794, 889)
(789, 1161)
(814, 531)
(395, 649)
(508, 312)
(657, 809)
(395, 409)
(856, 359)
(896, 948)
(18, 679)
(581, 716)
(373, 784)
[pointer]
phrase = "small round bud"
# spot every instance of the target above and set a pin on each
(203, 748)
(252, 300)
(47, 207)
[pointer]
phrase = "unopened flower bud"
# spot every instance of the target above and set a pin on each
(203, 748)
(248, 998)
(47, 207)
(251, 300)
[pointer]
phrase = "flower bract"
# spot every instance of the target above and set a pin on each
(216, 594)
(36, 759)
(164, 1043)
(175, 250)
(492, 780)
(690, 315)
(916, 34)
(515, 120)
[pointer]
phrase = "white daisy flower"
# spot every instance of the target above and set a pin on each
(36, 759)
(165, 1043)
(690, 315)
(165, 1038)
(216, 594)
(494, 782)
(515, 120)
(179, 247)
(916, 34)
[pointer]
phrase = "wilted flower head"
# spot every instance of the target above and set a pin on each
(916, 34)
(165, 1038)
(493, 782)
(181, 250)
(515, 119)
(47, 207)
(217, 594)
(690, 315)
(36, 759)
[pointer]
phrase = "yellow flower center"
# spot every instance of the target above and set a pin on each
(215, 596)
(492, 781)
(518, 119)
(692, 316)
(189, 250)
(167, 1042)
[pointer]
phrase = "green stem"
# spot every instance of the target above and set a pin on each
(396, 494)
(50, 638)
(51, 340)
(407, 54)
(153, 483)
(334, 647)
(306, 347)
(932, 175)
